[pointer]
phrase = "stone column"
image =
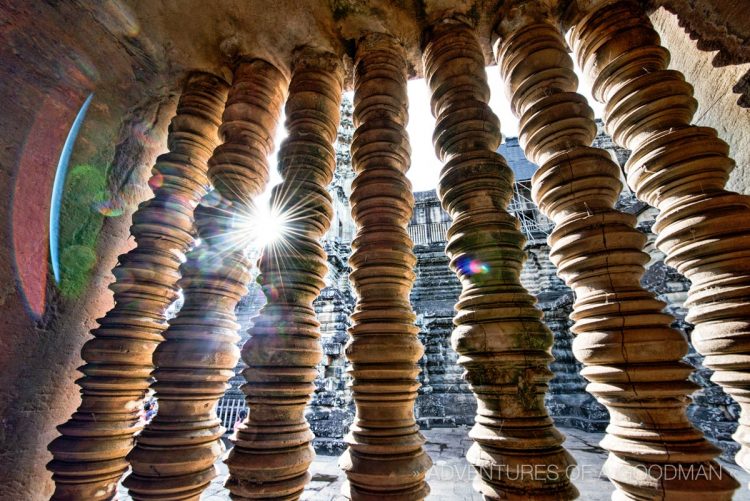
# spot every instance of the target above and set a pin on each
(385, 459)
(273, 449)
(502, 342)
(632, 357)
(680, 169)
(89, 457)
(175, 454)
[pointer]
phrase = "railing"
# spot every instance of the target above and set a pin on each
(228, 411)
(535, 225)
(425, 234)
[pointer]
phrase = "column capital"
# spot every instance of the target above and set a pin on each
(374, 40)
(309, 58)
(576, 10)
(514, 15)
(442, 24)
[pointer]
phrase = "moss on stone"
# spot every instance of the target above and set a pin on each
(342, 9)
(81, 221)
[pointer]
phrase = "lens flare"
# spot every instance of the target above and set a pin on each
(264, 226)
(249, 227)
(109, 208)
(57, 188)
(471, 266)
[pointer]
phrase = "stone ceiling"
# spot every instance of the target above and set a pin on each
(146, 46)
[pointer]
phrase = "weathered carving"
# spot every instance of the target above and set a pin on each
(273, 449)
(680, 169)
(89, 457)
(632, 357)
(175, 454)
(385, 459)
(502, 342)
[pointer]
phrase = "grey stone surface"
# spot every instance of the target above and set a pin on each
(451, 475)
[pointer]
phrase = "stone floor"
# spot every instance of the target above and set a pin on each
(450, 477)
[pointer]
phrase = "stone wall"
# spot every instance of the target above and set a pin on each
(722, 25)
(332, 408)
(444, 398)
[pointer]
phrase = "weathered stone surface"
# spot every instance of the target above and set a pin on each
(631, 355)
(712, 85)
(384, 458)
(89, 456)
(716, 26)
(445, 398)
(273, 446)
(332, 408)
(682, 170)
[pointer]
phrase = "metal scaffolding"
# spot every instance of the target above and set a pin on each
(535, 225)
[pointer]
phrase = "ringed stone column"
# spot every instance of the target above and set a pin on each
(681, 169)
(501, 340)
(175, 454)
(632, 357)
(385, 459)
(89, 457)
(273, 449)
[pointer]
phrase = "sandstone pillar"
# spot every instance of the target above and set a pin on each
(89, 457)
(681, 169)
(385, 459)
(632, 357)
(175, 454)
(503, 344)
(273, 449)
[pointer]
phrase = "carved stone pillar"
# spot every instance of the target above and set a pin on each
(273, 449)
(502, 342)
(680, 169)
(175, 454)
(385, 459)
(89, 457)
(632, 357)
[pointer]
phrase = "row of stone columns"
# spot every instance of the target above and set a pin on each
(681, 169)
(273, 448)
(500, 337)
(89, 456)
(632, 356)
(175, 454)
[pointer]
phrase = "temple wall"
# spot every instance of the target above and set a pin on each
(44, 325)
(53, 56)
(716, 87)
(444, 398)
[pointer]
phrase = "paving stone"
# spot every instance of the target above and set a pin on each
(451, 477)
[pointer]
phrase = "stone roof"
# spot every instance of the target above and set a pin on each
(513, 153)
